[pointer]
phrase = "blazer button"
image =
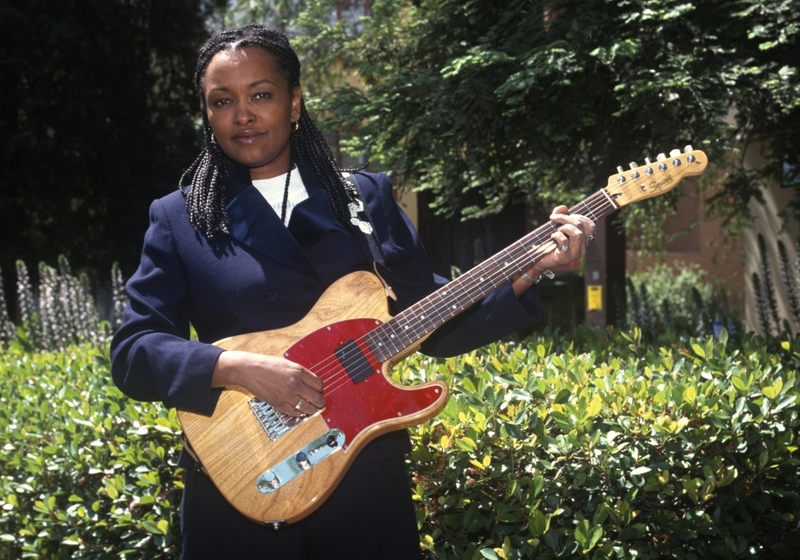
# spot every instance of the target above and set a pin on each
(310, 290)
(272, 297)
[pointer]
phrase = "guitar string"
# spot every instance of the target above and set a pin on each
(598, 200)
(497, 273)
(333, 369)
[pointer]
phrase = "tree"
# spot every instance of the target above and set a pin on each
(275, 13)
(481, 103)
(98, 121)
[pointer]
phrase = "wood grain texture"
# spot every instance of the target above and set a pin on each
(234, 449)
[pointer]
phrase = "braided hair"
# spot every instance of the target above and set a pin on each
(203, 183)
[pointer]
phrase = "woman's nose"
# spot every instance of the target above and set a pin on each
(243, 114)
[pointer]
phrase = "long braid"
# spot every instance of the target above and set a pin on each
(203, 183)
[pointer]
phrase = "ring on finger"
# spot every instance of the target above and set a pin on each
(591, 237)
(297, 406)
(564, 248)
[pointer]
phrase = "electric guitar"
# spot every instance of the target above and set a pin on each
(277, 469)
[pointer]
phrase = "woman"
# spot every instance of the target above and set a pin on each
(261, 225)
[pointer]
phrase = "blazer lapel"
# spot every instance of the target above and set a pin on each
(255, 224)
(314, 217)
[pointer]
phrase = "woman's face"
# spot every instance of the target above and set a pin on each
(251, 108)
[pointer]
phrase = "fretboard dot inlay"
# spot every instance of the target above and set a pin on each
(412, 324)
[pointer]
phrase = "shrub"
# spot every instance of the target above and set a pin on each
(8, 331)
(84, 472)
(60, 310)
(592, 445)
(660, 300)
(601, 446)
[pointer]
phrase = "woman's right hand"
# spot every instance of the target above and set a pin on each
(286, 386)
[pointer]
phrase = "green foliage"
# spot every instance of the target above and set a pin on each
(84, 472)
(483, 102)
(275, 13)
(662, 300)
(602, 446)
(7, 328)
(594, 445)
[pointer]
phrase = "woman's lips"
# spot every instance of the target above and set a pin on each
(248, 137)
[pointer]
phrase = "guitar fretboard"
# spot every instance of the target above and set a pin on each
(425, 316)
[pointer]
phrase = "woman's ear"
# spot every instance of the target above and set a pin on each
(297, 97)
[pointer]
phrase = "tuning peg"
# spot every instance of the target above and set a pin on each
(633, 165)
(688, 149)
(661, 157)
(647, 161)
(621, 179)
(674, 153)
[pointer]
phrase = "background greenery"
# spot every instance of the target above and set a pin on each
(592, 445)
(483, 103)
(480, 104)
(84, 472)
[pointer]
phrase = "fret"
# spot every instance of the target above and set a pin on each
(415, 322)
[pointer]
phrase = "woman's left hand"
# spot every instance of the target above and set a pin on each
(571, 238)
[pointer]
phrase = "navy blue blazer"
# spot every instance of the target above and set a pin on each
(264, 276)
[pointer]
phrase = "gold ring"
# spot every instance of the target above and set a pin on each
(297, 406)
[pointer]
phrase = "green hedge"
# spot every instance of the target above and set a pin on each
(600, 446)
(84, 472)
(593, 445)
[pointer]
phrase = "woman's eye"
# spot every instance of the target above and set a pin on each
(220, 102)
(261, 95)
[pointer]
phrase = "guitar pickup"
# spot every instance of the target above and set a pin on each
(300, 461)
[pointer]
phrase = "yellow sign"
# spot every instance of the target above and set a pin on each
(594, 298)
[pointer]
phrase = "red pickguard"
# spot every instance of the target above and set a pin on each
(352, 407)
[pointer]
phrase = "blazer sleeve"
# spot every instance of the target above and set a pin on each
(152, 358)
(499, 314)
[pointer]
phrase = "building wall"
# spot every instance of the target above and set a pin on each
(770, 224)
(706, 244)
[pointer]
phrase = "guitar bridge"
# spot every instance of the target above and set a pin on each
(300, 461)
(275, 423)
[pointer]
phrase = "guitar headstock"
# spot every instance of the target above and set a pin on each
(653, 179)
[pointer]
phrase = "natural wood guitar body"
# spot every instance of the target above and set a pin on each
(234, 448)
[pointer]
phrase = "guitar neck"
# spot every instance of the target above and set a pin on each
(425, 316)
(428, 314)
